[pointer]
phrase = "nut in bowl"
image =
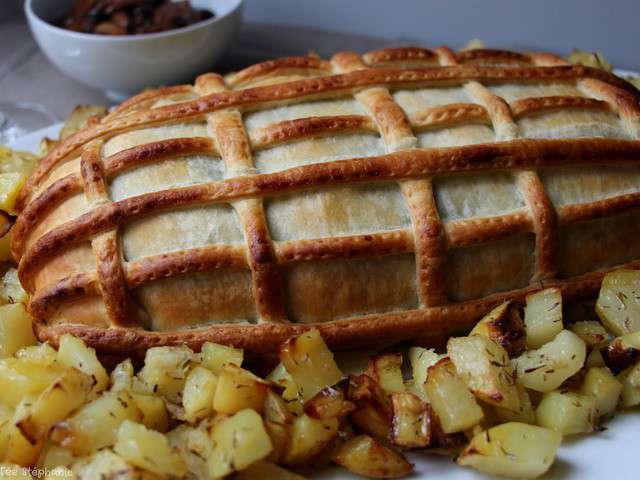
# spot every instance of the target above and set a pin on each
(125, 64)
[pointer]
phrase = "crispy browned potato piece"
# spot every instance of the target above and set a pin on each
(373, 411)
(330, 402)
(386, 370)
(505, 327)
(366, 456)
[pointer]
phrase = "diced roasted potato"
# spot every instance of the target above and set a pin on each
(451, 399)
(367, 457)
(309, 437)
(54, 455)
(512, 449)
(503, 325)
(267, 471)
(386, 370)
(15, 329)
(95, 425)
(16, 448)
(594, 359)
(238, 389)
(277, 420)
(194, 445)
(618, 304)
(10, 185)
(546, 368)
(121, 377)
(421, 359)
(80, 117)
(43, 354)
(106, 465)
(524, 413)
(291, 393)
(197, 396)
(484, 366)
(411, 424)
(153, 410)
(592, 332)
(310, 363)
(590, 59)
(35, 418)
(543, 316)
(330, 402)
(23, 377)
(72, 352)
(373, 411)
(630, 379)
(238, 441)
(16, 160)
(11, 290)
(215, 356)
(622, 352)
(606, 389)
(567, 412)
(148, 449)
(165, 370)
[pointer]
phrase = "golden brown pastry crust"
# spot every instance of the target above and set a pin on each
(118, 324)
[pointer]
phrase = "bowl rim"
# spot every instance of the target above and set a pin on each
(32, 16)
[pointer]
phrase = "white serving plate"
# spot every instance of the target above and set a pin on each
(613, 454)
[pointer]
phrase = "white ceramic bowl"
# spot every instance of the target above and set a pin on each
(124, 65)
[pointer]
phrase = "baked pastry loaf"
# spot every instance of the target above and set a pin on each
(395, 195)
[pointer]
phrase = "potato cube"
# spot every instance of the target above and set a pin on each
(165, 370)
(421, 359)
(10, 185)
(148, 449)
(16, 448)
(310, 363)
(43, 354)
(513, 450)
(630, 379)
(35, 418)
(592, 332)
(411, 424)
(215, 356)
(387, 371)
(153, 410)
(95, 425)
(543, 316)
(546, 368)
(267, 471)
(11, 290)
(194, 446)
(525, 412)
(606, 389)
(121, 377)
(373, 411)
(451, 399)
(73, 352)
(567, 412)
(22, 377)
(107, 465)
(15, 329)
(309, 437)
(54, 455)
(484, 366)
(197, 396)
(291, 392)
(503, 325)
(330, 402)
(618, 304)
(238, 441)
(367, 457)
(238, 389)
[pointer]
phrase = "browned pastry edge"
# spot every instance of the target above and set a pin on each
(278, 65)
(319, 88)
(513, 155)
(146, 98)
(529, 106)
(369, 331)
(492, 55)
(388, 55)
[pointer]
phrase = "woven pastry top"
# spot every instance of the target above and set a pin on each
(384, 196)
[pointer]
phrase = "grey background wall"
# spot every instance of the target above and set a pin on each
(610, 26)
